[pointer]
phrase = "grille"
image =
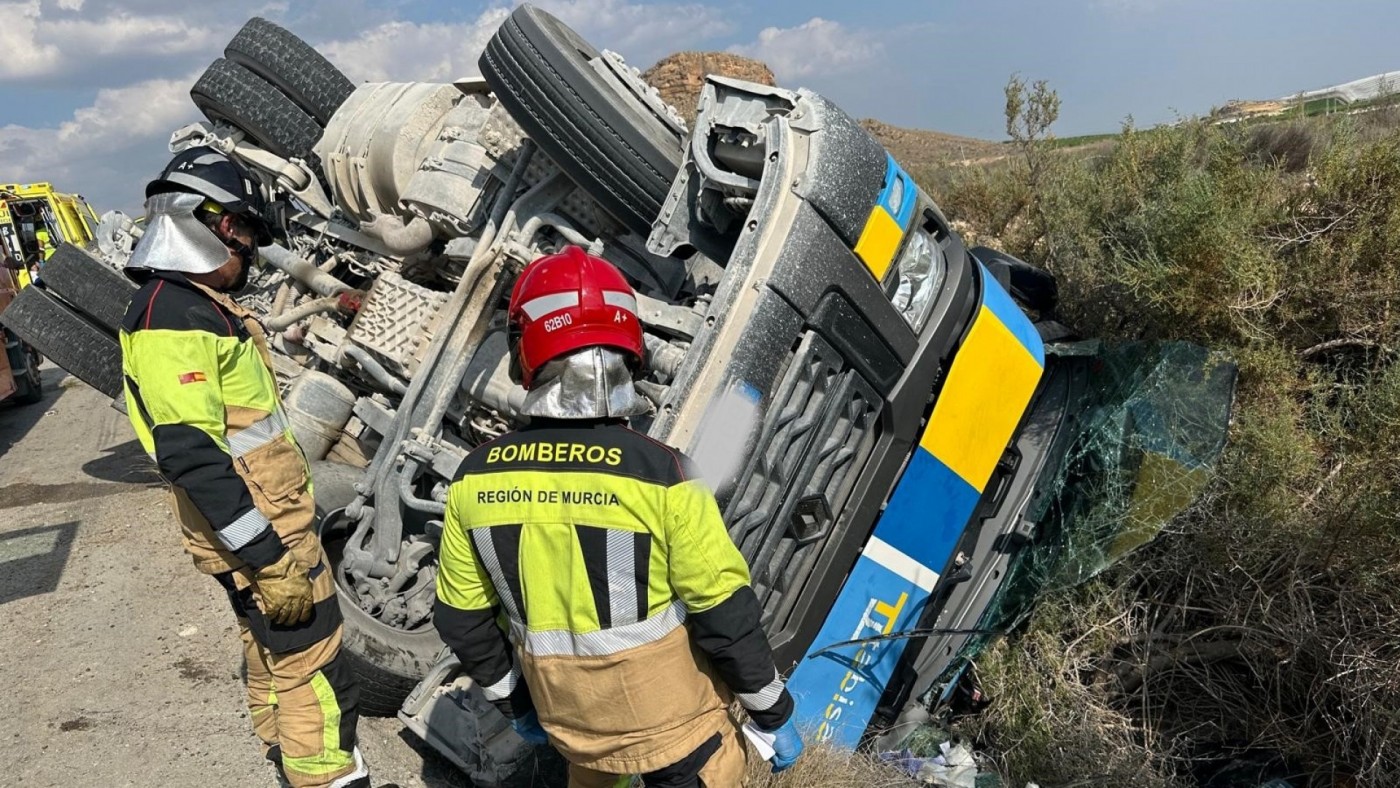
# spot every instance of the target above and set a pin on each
(394, 321)
(818, 433)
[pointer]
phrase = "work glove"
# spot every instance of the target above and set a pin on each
(284, 591)
(787, 746)
(527, 726)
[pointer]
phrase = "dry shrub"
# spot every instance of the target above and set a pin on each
(1269, 617)
(1051, 720)
(1288, 146)
(824, 766)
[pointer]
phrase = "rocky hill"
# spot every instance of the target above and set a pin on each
(679, 78)
(917, 149)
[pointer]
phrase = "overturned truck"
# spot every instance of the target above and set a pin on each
(870, 400)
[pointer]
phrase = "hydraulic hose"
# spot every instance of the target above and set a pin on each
(316, 307)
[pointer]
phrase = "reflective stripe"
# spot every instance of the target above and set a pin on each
(619, 299)
(764, 699)
(891, 558)
(271, 427)
(205, 187)
(360, 771)
(486, 550)
(245, 529)
(503, 688)
(562, 643)
(331, 758)
(622, 577)
(537, 308)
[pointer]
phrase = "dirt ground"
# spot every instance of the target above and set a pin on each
(121, 663)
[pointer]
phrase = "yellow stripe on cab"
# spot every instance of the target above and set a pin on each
(879, 241)
(988, 389)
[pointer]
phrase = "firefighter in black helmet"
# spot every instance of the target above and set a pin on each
(203, 400)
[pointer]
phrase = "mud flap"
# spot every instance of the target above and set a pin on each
(448, 711)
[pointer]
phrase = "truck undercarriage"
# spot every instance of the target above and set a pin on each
(809, 316)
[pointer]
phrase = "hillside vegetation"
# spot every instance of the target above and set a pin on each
(1265, 625)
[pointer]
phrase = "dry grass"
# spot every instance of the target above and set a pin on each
(824, 766)
(1269, 618)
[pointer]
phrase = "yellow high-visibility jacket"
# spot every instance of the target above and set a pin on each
(625, 603)
(204, 403)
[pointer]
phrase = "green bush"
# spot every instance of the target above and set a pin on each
(1269, 616)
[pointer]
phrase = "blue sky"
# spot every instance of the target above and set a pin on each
(90, 89)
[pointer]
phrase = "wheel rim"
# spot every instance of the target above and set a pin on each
(334, 533)
(35, 378)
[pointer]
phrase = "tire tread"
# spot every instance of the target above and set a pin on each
(78, 345)
(89, 285)
(301, 73)
(229, 92)
(626, 169)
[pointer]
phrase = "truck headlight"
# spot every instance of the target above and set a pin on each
(916, 277)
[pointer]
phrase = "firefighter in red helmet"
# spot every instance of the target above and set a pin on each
(628, 623)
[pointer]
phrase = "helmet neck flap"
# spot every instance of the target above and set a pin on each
(175, 239)
(591, 383)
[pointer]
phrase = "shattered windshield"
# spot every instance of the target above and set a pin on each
(1151, 424)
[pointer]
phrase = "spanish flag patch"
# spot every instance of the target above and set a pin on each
(192, 377)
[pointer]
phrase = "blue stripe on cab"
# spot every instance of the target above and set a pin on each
(928, 511)
(837, 692)
(999, 302)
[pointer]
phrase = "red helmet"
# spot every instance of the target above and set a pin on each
(567, 301)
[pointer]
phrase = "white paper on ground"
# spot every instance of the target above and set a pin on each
(762, 741)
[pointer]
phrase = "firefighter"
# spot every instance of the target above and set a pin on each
(629, 619)
(44, 241)
(201, 395)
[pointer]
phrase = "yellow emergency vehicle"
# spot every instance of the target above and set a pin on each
(35, 219)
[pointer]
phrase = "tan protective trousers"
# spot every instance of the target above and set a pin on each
(724, 769)
(302, 706)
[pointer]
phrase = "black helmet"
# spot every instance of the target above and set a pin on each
(206, 171)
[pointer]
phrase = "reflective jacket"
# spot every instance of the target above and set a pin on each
(202, 397)
(627, 605)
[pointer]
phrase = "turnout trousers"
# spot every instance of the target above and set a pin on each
(718, 763)
(302, 698)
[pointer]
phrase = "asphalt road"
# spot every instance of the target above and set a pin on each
(121, 664)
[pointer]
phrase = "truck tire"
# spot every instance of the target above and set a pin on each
(78, 345)
(229, 93)
(388, 662)
(90, 286)
(610, 143)
(290, 64)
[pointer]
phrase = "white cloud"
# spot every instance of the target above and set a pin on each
(106, 149)
(817, 46)
(640, 32)
(125, 34)
(24, 55)
(36, 43)
(413, 51)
